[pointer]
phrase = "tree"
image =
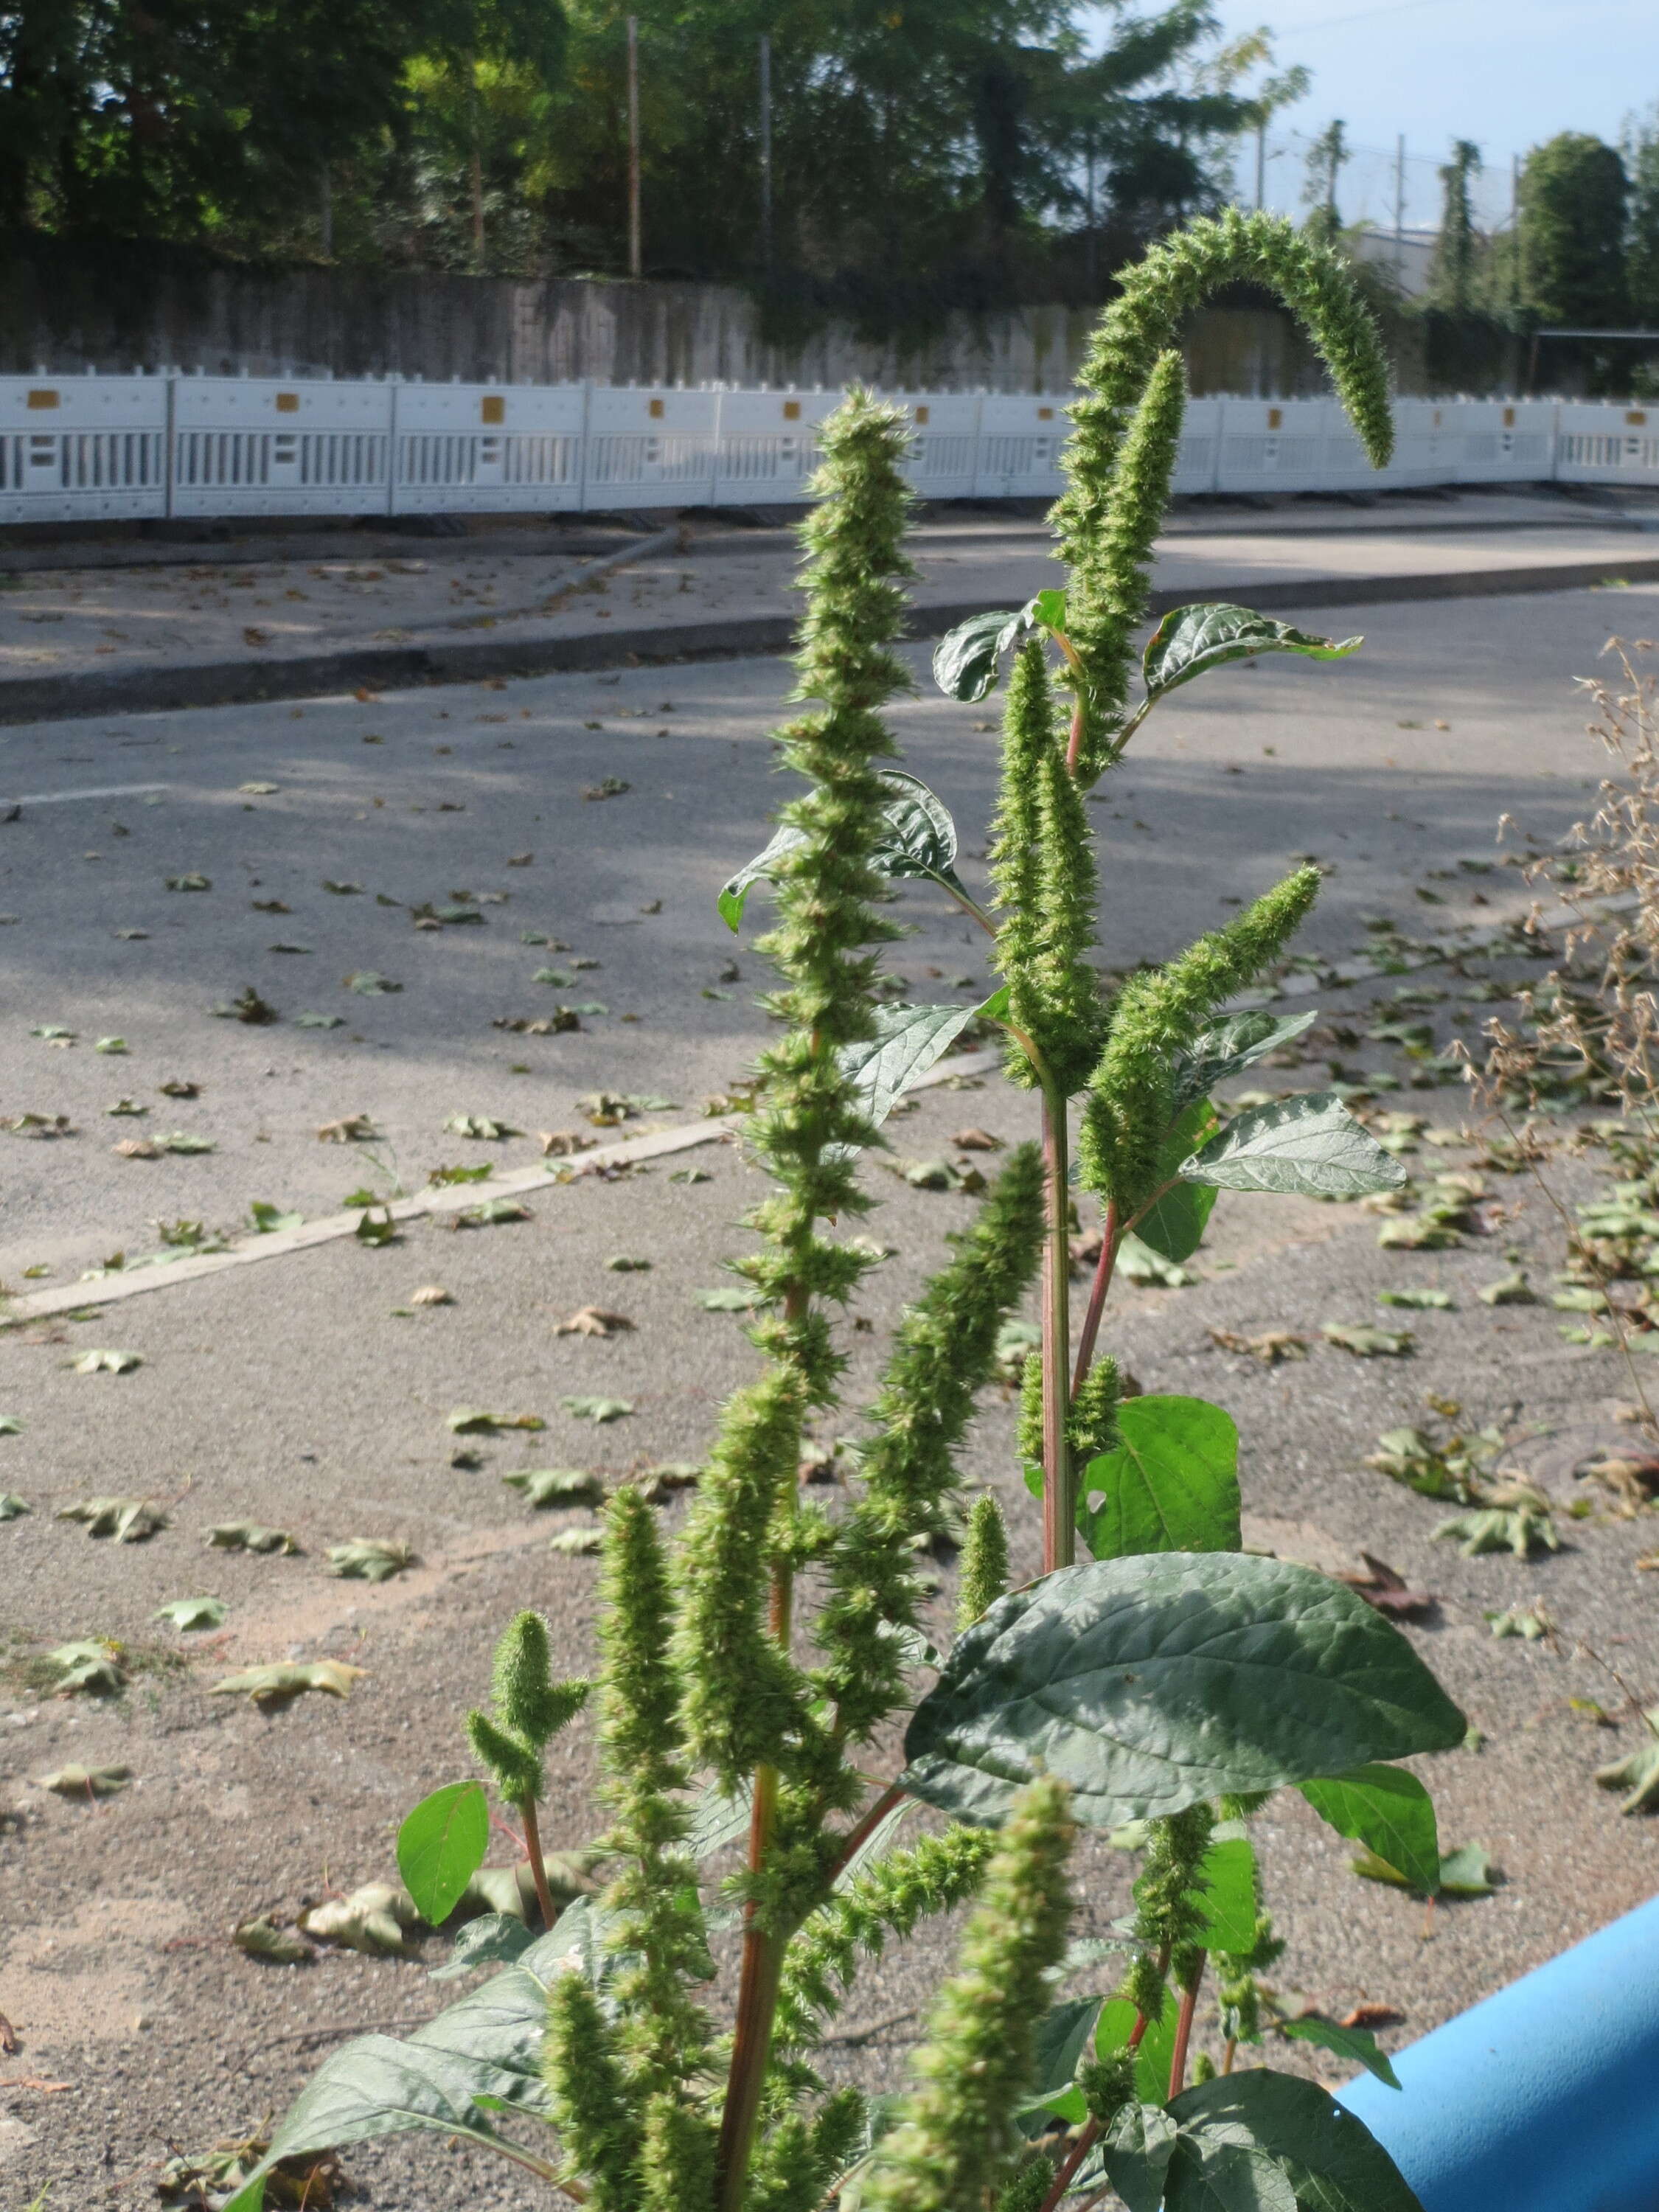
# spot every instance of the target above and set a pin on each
(1322, 165)
(1641, 157)
(1451, 278)
(1573, 194)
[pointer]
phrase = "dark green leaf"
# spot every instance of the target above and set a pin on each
(1174, 1224)
(441, 1845)
(1390, 1813)
(1155, 2050)
(1226, 1048)
(1136, 2150)
(494, 1939)
(1171, 1485)
(1358, 2043)
(1063, 2034)
(965, 659)
(1149, 1683)
(1227, 1892)
(1331, 2161)
(717, 1820)
(1311, 1145)
(498, 2029)
(919, 837)
(1190, 640)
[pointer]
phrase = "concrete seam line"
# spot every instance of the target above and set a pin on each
(224, 683)
(449, 1198)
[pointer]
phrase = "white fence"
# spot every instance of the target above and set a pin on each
(107, 447)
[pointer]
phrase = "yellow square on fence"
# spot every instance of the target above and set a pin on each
(42, 397)
(492, 408)
(288, 402)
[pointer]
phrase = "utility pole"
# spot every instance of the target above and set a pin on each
(766, 152)
(1260, 165)
(634, 263)
(1400, 207)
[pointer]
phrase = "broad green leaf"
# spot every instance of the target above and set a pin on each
(1063, 2033)
(1171, 1485)
(1157, 2047)
(374, 2085)
(441, 1845)
(499, 2028)
(12, 1507)
(908, 1041)
(920, 838)
(1174, 1225)
(494, 1939)
(1046, 610)
(1231, 2177)
(1136, 2150)
(718, 1819)
(1390, 1813)
(1311, 1145)
(1190, 640)
(1358, 2043)
(369, 1559)
(1227, 1892)
(1227, 1047)
(1148, 1683)
(965, 659)
(1331, 2161)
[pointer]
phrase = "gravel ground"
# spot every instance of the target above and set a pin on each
(305, 1393)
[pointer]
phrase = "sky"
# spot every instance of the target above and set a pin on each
(1505, 73)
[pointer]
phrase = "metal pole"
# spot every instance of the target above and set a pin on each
(634, 146)
(1400, 206)
(766, 152)
(1260, 167)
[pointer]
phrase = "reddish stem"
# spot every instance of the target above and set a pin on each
(533, 1837)
(1058, 1493)
(1110, 1240)
(1184, 2029)
(1085, 2141)
(1075, 745)
(865, 1826)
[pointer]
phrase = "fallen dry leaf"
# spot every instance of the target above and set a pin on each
(275, 1685)
(593, 1320)
(431, 1294)
(1269, 1348)
(977, 1141)
(1386, 1589)
(350, 1129)
(1372, 2015)
(136, 1148)
(559, 1143)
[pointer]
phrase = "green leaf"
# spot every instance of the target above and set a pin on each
(1227, 1047)
(1190, 640)
(369, 1560)
(1331, 2161)
(919, 837)
(1063, 2034)
(1171, 1485)
(494, 1939)
(1174, 1224)
(1227, 1892)
(441, 1845)
(718, 1819)
(268, 1218)
(965, 659)
(1390, 1811)
(1467, 1872)
(558, 1485)
(1136, 2150)
(908, 1041)
(1157, 2048)
(1310, 1146)
(1148, 1683)
(735, 890)
(374, 2085)
(598, 1410)
(12, 1507)
(1046, 610)
(1358, 2043)
(187, 1613)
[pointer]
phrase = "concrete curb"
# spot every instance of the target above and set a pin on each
(379, 668)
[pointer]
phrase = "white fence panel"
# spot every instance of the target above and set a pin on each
(651, 448)
(1499, 442)
(1200, 456)
(766, 447)
(487, 448)
(945, 450)
(1271, 446)
(263, 446)
(89, 448)
(1607, 445)
(1019, 443)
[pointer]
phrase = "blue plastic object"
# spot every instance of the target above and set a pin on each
(1543, 2098)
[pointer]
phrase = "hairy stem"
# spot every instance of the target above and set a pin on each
(757, 1998)
(1059, 1495)
(1110, 1237)
(532, 1840)
(866, 1825)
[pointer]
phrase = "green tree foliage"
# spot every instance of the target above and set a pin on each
(1322, 165)
(1573, 196)
(1451, 280)
(1641, 158)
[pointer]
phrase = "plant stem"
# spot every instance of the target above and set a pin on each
(1059, 1496)
(1229, 2054)
(1085, 2141)
(1110, 1239)
(532, 1837)
(866, 1825)
(758, 1996)
(1184, 2028)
